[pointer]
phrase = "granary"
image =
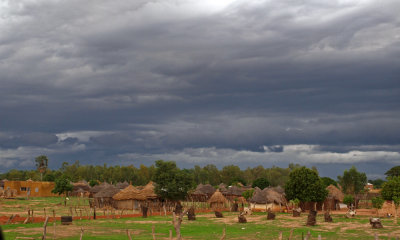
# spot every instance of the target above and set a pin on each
(28, 188)
(268, 199)
(80, 189)
(217, 200)
(104, 197)
(97, 188)
(128, 198)
(335, 196)
(202, 193)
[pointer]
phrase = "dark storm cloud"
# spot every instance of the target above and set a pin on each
(168, 77)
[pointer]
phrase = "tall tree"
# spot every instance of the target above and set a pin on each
(41, 164)
(393, 172)
(260, 183)
(62, 187)
(352, 181)
(328, 181)
(171, 182)
(305, 185)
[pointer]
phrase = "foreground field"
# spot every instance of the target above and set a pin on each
(207, 227)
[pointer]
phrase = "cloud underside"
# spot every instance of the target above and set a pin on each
(200, 81)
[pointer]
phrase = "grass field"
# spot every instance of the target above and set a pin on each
(206, 226)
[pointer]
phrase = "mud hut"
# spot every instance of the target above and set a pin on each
(335, 196)
(104, 198)
(267, 199)
(128, 198)
(217, 200)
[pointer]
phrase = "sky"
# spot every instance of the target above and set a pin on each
(243, 82)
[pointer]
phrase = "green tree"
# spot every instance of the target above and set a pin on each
(393, 172)
(352, 181)
(391, 191)
(93, 183)
(305, 185)
(328, 181)
(171, 182)
(231, 174)
(63, 186)
(348, 200)
(41, 164)
(377, 203)
(260, 183)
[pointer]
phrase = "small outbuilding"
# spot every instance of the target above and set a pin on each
(128, 198)
(268, 199)
(217, 200)
(104, 198)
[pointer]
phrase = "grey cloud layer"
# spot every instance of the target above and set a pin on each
(159, 77)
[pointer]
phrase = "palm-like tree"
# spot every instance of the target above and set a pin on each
(41, 164)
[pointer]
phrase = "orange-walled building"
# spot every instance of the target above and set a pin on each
(36, 189)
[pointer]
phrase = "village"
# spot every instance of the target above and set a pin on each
(28, 208)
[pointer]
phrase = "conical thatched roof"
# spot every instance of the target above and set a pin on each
(279, 189)
(122, 185)
(268, 195)
(148, 191)
(335, 193)
(274, 197)
(81, 185)
(217, 197)
(129, 193)
(234, 191)
(204, 190)
(108, 191)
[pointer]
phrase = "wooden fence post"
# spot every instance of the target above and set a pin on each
(44, 228)
(81, 234)
(10, 219)
(54, 224)
(280, 235)
(291, 233)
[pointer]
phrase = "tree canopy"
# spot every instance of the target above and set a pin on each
(393, 172)
(352, 181)
(171, 182)
(328, 181)
(391, 189)
(305, 185)
(260, 183)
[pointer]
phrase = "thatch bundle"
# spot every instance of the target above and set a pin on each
(107, 192)
(217, 197)
(129, 193)
(335, 193)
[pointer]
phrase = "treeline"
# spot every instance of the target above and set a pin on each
(141, 175)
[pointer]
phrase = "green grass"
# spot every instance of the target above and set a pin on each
(206, 225)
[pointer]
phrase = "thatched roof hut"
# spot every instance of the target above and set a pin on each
(335, 193)
(148, 191)
(206, 189)
(268, 195)
(122, 185)
(81, 185)
(129, 193)
(217, 197)
(98, 188)
(234, 191)
(107, 192)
